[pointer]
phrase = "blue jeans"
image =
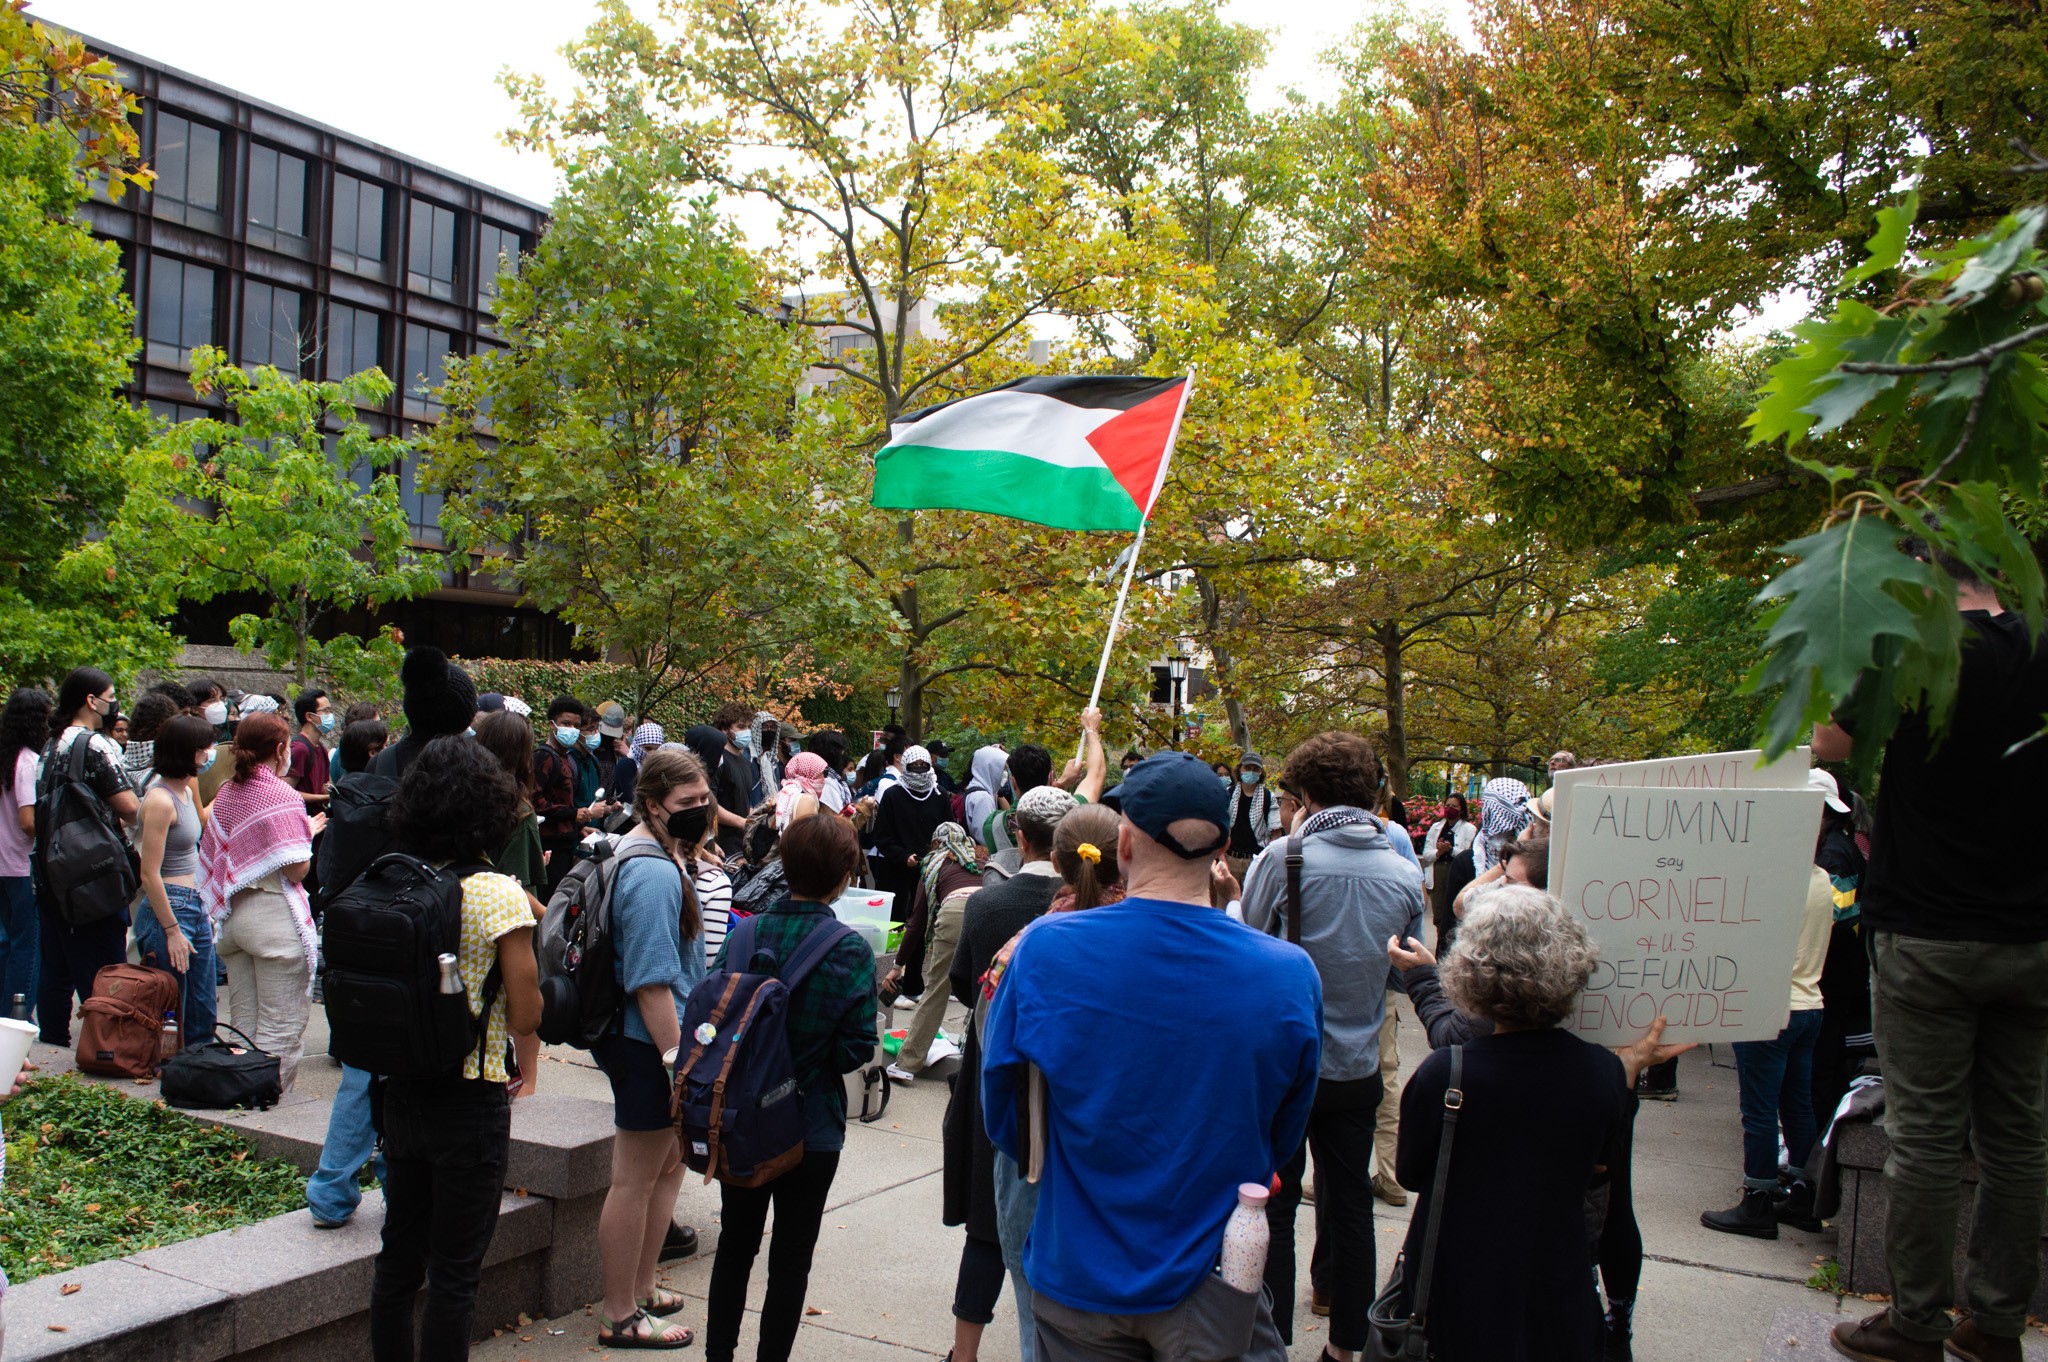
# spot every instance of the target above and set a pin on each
(332, 1193)
(1027, 1323)
(198, 986)
(20, 941)
(1775, 1078)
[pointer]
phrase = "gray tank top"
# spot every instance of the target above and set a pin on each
(181, 839)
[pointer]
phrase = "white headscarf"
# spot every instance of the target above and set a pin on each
(987, 777)
(918, 784)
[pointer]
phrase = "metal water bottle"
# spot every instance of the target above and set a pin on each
(1246, 1238)
(451, 978)
(20, 1007)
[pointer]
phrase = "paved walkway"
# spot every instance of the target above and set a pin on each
(882, 1287)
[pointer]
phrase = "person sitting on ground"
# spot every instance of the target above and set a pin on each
(171, 928)
(658, 945)
(931, 937)
(448, 1139)
(758, 881)
(831, 1031)
(992, 917)
(1356, 891)
(1131, 1209)
(253, 859)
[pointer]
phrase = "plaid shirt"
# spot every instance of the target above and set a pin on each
(831, 1019)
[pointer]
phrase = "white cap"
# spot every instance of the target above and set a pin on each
(1818, 779)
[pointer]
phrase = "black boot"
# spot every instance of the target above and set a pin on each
(679, 1242)
(1795, 1208)
(1752, 1216)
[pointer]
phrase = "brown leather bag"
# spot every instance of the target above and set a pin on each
(121, 1035)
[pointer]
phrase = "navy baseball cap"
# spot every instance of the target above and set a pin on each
(1167, 787)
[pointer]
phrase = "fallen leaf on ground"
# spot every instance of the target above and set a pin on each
(59, 1328)
(71, 1288)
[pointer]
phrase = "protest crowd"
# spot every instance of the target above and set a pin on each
(480, 874)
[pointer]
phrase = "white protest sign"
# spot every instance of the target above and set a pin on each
(1707, 771)
(1694, 898)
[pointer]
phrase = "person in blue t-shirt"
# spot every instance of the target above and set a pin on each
(1170, 1096)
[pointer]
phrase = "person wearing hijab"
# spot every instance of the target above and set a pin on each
(803, 781)
(910, 812)
(985, 822)
(931, 934)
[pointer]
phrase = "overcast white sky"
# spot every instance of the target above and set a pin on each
(420, 76)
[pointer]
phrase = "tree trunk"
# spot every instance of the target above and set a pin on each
(1212, 619)
(1396, 681)
(910, 677)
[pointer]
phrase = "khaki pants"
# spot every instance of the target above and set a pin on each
(940, 944)
(1389, 1128)
(267, 976)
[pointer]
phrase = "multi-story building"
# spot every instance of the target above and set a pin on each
(290, 243)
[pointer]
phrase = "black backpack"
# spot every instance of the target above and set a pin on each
(89, 872)
(381, 976)
(739, 1111)
(357, 832)
(580, 998)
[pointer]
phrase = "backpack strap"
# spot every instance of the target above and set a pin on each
(1294, 887)
(811, 953)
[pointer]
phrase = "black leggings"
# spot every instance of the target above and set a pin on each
(980, 1284)
(72, 958)
(799, 1200)
(1621, 1240)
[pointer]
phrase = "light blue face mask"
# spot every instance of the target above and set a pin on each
(326, 722)
(567, 737)
(1250, 778)
(211, 753)
(591, 740)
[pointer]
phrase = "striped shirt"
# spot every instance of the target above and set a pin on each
(714, 905)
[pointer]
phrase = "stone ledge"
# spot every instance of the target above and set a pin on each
(120, 1313)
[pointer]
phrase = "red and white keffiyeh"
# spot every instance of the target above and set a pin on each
(256, 826)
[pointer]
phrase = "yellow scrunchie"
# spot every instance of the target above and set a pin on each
(1089, 852)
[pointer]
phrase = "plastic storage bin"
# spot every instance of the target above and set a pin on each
(868, 912)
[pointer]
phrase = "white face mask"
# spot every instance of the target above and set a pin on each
(217, 713)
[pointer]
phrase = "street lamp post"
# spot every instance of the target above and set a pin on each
(1177, 675)
(895, 702)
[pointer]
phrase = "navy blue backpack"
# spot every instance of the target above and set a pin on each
(738, 1112)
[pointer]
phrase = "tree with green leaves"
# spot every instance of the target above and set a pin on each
(1939, 402)
(67, 334)
(631, 459)
(263, 505)
(919, 243)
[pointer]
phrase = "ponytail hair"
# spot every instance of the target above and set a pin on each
(1094, 827)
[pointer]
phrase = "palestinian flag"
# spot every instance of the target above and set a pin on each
(1075, 453)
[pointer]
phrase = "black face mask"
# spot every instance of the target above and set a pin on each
(687, 826)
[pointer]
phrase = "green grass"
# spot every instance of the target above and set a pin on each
(93, 1174)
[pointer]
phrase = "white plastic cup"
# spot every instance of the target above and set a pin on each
(14, 1039)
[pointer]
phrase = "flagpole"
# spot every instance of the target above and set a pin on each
(1116, 616)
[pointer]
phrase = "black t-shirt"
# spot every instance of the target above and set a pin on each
(733, 786)
(1932, 873)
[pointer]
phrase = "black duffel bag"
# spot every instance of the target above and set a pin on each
(213, 1076)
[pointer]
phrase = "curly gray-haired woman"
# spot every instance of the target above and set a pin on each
(1542, 1122)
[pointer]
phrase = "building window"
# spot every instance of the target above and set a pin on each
(497, 253)
(422, 508)
(355, 340)
(270, 327)
(430, 263)
(277, 195)
(358, 225)
(187, 166)
(180, 310)
(427, 351)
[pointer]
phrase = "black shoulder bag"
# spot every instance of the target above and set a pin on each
(1403, 1336)
(1289, 917)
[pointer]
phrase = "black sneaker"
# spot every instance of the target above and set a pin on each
(1753, 1216)
(681, 1242)
(1648, 1093)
